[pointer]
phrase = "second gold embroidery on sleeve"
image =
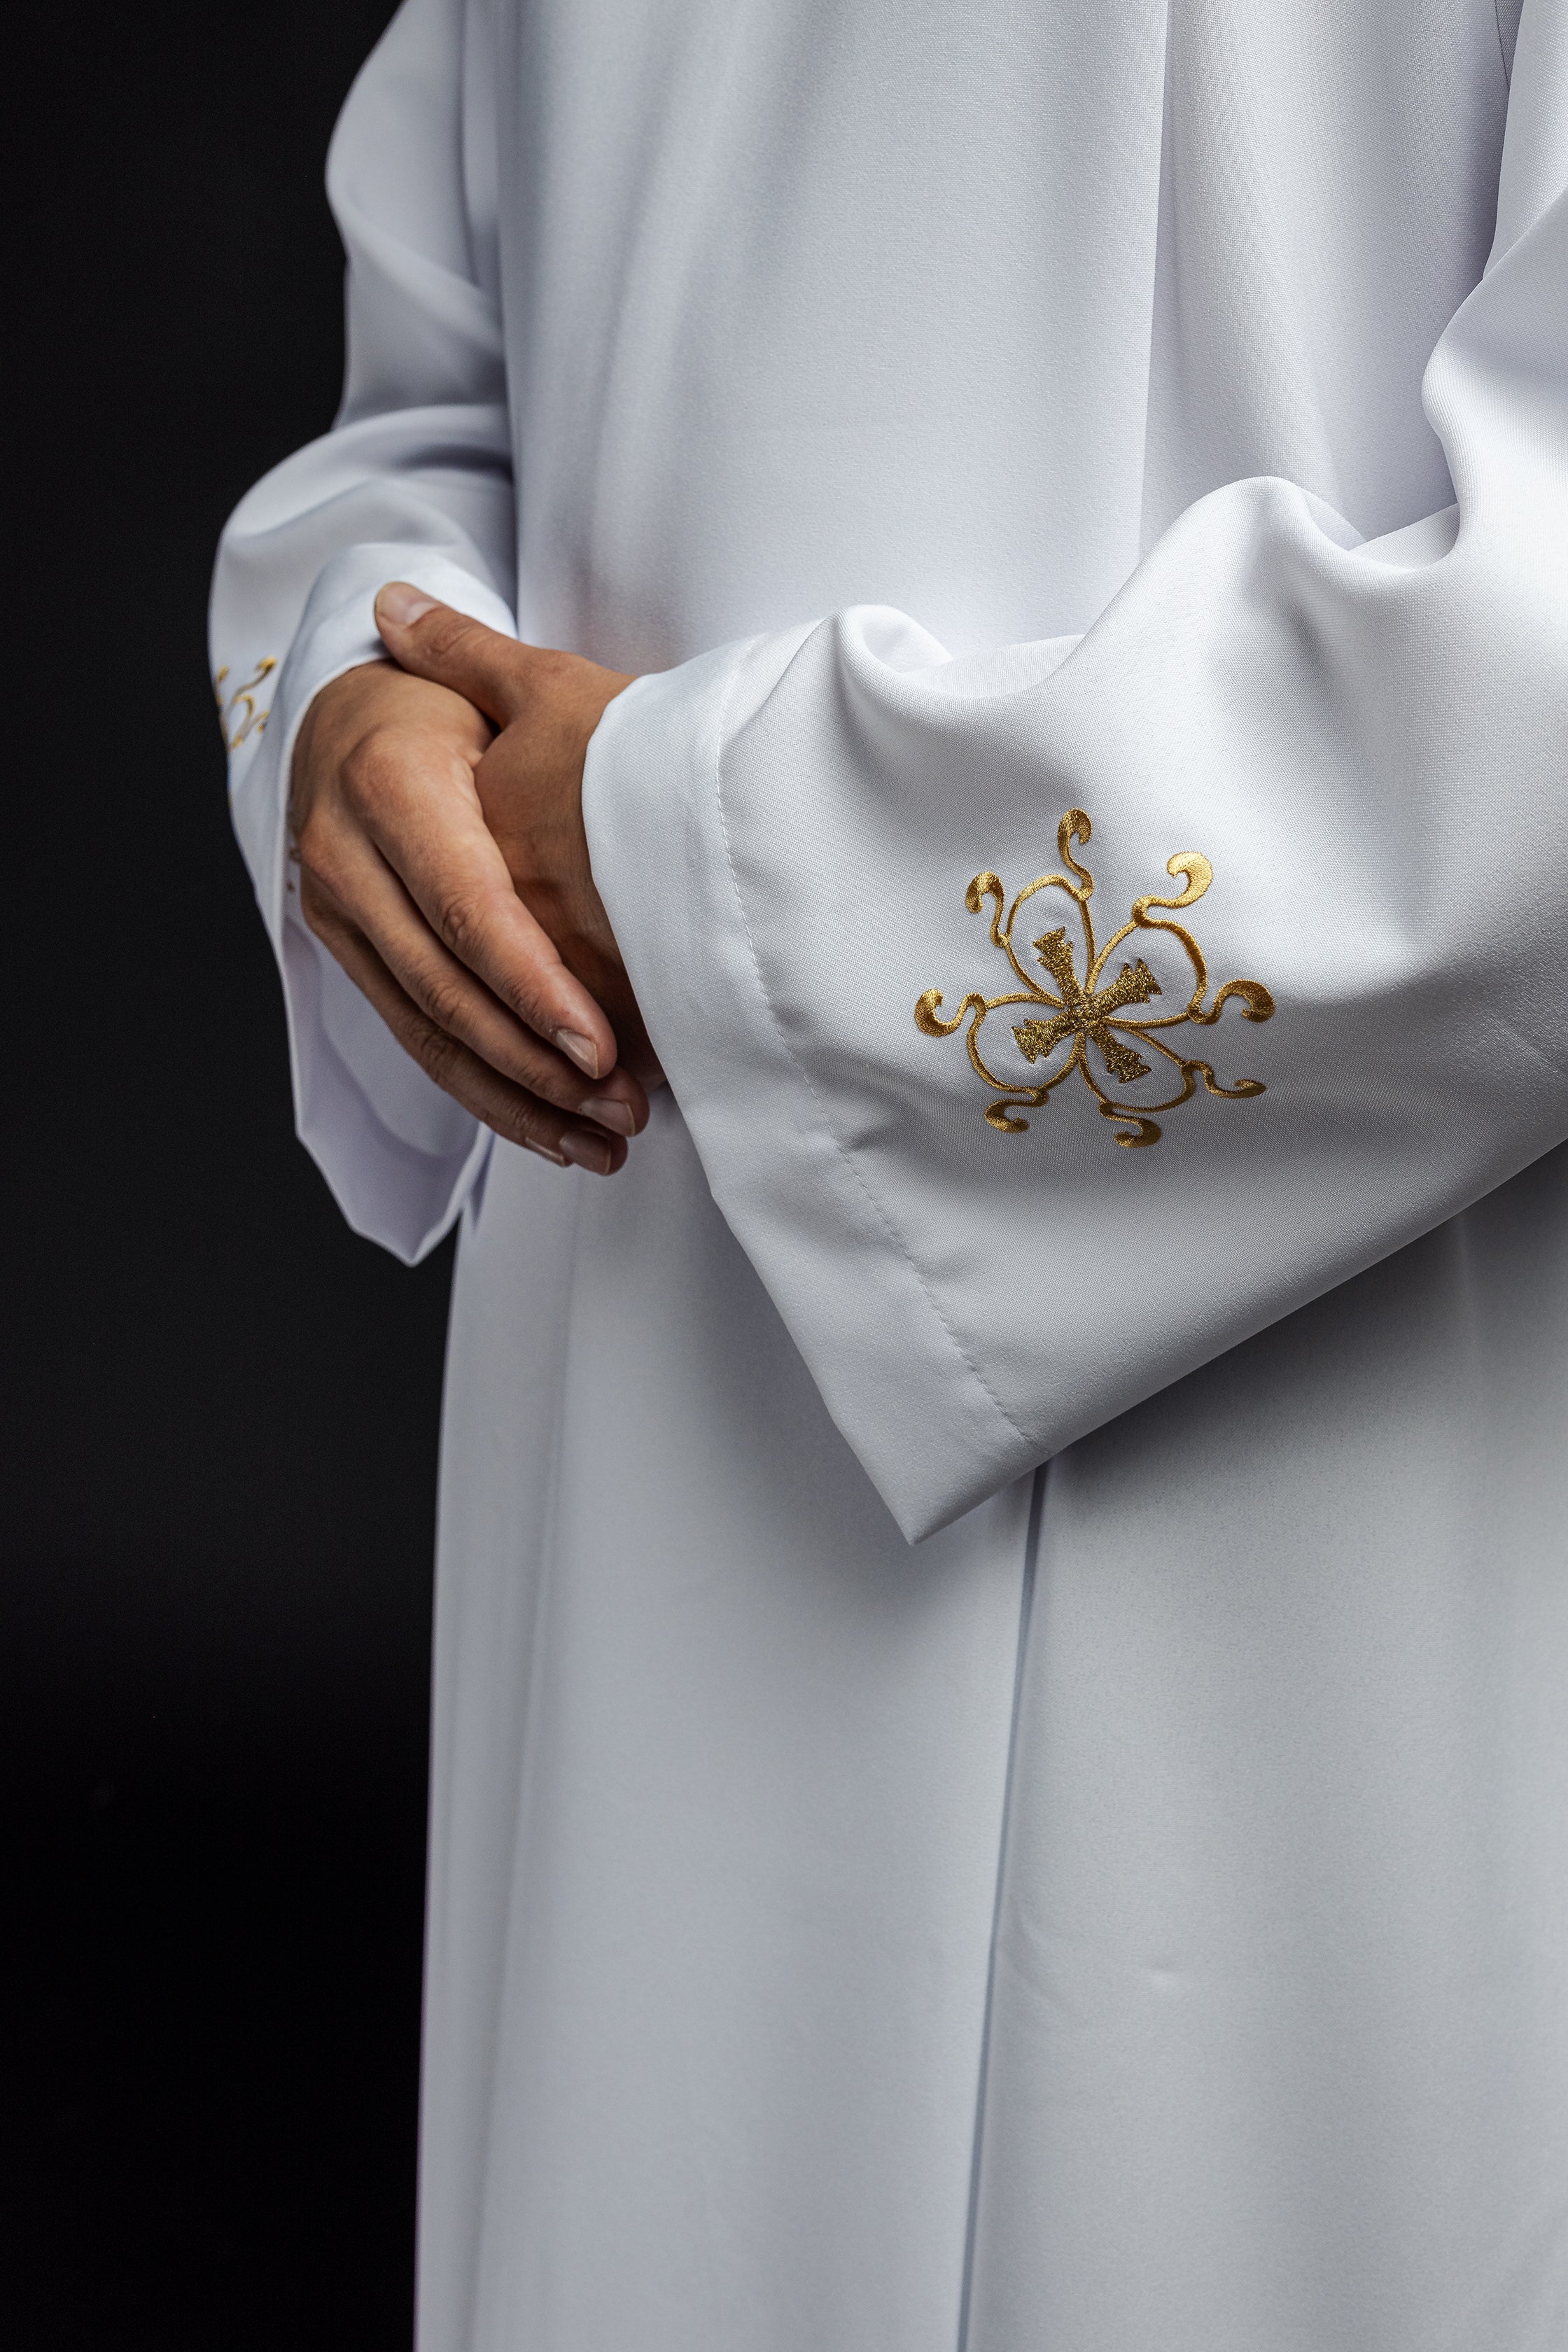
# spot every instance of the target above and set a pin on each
(237, 711)
(1070, 1016)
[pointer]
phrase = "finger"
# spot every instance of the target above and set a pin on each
(449, 861)
(365, 893)
(512, 1111)
(429, 826)
(434, 640)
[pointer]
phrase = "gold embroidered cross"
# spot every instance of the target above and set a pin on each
(1083, 1014)
(1086, 1013)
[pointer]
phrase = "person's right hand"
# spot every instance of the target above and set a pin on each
(401, 880)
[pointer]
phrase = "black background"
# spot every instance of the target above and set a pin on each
(221, 1438)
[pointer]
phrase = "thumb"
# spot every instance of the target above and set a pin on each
(431, 640)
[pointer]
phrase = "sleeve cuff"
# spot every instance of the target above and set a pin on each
(399, 1156)
(784, 834)
(892, 1371)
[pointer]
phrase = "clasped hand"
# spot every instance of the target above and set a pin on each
(436, 812)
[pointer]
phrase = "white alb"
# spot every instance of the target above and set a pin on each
(1134, 1919)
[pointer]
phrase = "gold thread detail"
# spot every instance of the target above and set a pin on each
(1093, 1012)
(237, 712)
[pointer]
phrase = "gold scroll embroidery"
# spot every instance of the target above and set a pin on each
(1076, 1016)
(237, 712)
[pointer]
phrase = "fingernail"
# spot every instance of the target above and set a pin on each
(545, 1152)
(586, 1152)
(611, 1112)
(403, 605)
(583, 1050)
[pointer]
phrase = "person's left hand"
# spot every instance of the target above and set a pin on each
(545, 706)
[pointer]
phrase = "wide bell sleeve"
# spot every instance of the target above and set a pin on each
(412, 482)
(1050, 1020)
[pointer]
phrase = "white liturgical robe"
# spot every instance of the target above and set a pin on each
(1001, 1737)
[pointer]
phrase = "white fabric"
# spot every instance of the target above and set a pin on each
(1136, 1918)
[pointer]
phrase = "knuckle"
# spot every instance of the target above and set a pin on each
(516, 979)
(314, 904)
(326, 882)
(459, 921)
(558, 1089)
(437, 1051)
(370, 769)
(445, 1000)
(317, 915)
(528, 1001)
(314, 841)
(525, 1120)
(444, 634)
(321, 913)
